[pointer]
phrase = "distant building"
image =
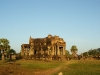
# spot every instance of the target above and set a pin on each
(48, 47)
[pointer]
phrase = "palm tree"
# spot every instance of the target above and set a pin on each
(74, 50)
(4, 47)
(10, 53)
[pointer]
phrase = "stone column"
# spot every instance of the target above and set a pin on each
(22, 52)
(3, 57)
(41, 51)
(52, 50)
(64, 47)
(31, 51)
(48, 52)
(26, 52)
(57, 50)
(37, 52)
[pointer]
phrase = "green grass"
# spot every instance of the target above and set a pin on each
(42, 65)
(88, 67)
(31, 67)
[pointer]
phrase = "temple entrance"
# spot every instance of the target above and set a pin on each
(61, 50)
(35, 52)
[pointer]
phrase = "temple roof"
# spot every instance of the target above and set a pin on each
(47, 39)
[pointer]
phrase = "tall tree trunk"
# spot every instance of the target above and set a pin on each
(3, 56)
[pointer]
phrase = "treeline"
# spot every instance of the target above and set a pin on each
(92, 53)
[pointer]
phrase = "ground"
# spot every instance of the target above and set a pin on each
(31, 67)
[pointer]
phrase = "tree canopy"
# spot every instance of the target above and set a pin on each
(11, 51)
(4, 47)
(4, 44)
(92, 52)
(74, 49)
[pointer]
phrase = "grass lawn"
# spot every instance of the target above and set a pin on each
(31, 67)
(81, 67)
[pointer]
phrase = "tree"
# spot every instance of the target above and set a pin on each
(1, 47)
(94, 52)
(4, 47)
(74, 50)
(4, 44)
(68, 55)
(85, 54)
(10, 53)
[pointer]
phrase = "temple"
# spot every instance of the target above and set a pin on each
(50, 47)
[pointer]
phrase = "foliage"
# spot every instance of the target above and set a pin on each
(10, 53)
(92, 52)
(85, 54)
(74, 50)
(68, 55)
(4, 41)
(66, 52)
(4, 44)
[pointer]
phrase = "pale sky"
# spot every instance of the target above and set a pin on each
(76, 21)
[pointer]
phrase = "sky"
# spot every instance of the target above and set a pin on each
(76, 21)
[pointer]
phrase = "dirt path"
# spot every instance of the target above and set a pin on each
(52, 71)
